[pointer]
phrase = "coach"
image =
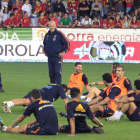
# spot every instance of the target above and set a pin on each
(55, 46)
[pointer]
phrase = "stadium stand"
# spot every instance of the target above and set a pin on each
(103, 13)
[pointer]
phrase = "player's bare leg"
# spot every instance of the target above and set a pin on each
(20, 102)
(126, 106)
(119, 107)
(15, 102)
(20, 129)
(94, 92)
(95, 108)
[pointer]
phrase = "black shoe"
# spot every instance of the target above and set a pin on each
(2, 90)
(98, 130)
(63, 114)
(1, 123)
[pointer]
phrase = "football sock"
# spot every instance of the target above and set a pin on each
(82, 97)
(69, 96)
(119, 115)
(116, 113)
(88, 100)
(11, 103)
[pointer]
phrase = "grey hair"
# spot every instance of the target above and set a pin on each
(52, 22)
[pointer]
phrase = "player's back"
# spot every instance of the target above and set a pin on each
(45, 115)
(52, 92)
(80, 111)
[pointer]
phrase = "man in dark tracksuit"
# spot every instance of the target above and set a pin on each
(1, 89)
(55, 46)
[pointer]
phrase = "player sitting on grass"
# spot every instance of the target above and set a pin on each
(78, 79)
(123, 82)
(94, 90)
(130, 105)
(76, 114)
(50, 92)
(45, 123)
(113, 74)
(107, 96)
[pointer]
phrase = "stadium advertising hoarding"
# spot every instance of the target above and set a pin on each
(91, 46)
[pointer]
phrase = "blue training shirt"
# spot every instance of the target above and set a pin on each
(52, 92)
(79, 110)
(45, 115)
(55, 43)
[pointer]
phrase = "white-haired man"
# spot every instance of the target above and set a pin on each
(55, 46)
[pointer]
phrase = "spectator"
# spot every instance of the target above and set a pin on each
(83, 9)
(49, 16)
(134, 23)
(111, 23)
(112, 12)
(105, 9)
(33, 3)
(1, 13)
(131, 14)
(45, 3)
(26, 21)
(13, 2)
(34, 18)
(76, 23)
(5, 14)
(27, 7)
(49, 8)
(17, 6)
(136, 5)
(138, 14)
(120, 8)
(104, 22)
(118, 22)
(43, 20)
(9, 22)
(90, 3)
(72, 7)
(55, 19)
(60, 16)
(66, 21)
(4, 3)
(111, 3)
(17, 18)
(59, 7)
(39, 7)
(126, 22)
(129, 4)
(53, 1)
(95, 22)
(96, 9)
(86, 21)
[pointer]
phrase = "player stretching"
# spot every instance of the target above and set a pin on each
(76, 114)
(130, 105)
(107, 96)
(45, 123)
(123, 82)
(50, 92)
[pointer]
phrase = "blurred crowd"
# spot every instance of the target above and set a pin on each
(72, 13)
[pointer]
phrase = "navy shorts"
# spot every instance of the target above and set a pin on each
(107, 112)
(28, 97)
(135, 116)
(66, 129)
(36, 130)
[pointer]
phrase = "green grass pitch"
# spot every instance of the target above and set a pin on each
(20, 78)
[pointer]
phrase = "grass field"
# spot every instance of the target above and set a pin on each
(20, 78)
